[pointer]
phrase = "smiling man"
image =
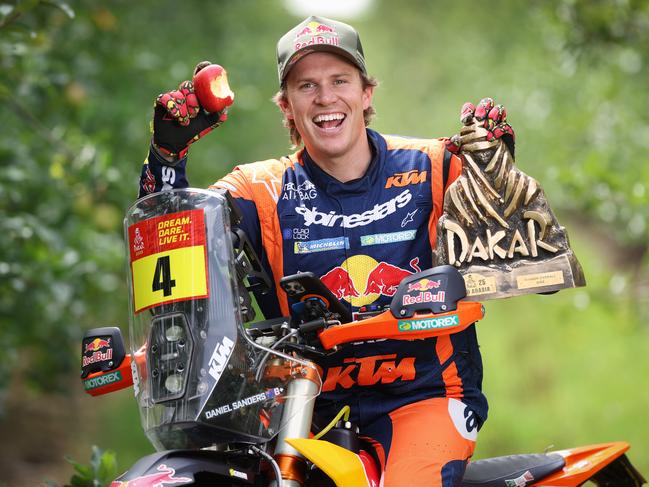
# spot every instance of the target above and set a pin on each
(325, 98)
(359, 209)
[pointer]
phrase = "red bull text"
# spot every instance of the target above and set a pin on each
(424, 297)
(94, 348)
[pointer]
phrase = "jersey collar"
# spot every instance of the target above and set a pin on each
(361, 185)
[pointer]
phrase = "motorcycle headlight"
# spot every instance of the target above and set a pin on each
(169, 355)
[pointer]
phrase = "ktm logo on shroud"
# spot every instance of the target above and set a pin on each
(402, 179)
(367, 371)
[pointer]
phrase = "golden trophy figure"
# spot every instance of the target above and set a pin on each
(497, 227)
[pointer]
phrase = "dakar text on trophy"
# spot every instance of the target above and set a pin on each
(498, 228)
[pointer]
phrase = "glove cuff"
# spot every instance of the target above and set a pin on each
(166, 157)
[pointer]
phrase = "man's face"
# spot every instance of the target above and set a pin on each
(326, 99)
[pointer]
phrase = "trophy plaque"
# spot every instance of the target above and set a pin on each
(497, 227)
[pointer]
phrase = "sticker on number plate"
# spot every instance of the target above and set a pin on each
(168, 259)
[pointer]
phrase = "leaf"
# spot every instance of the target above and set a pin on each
(85, 471)
(81, 482)
(96, 458)
(108, 466)
(62, 6)
(99, 472)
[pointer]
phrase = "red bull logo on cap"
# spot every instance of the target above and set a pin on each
(315, 33)
(165, 477)
(361, 280)
(313, 28)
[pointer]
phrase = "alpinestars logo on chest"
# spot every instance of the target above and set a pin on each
(331, 219)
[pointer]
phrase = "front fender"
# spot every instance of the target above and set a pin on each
(190, 467)
(344, 467)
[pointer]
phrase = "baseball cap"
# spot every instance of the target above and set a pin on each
(319, 34)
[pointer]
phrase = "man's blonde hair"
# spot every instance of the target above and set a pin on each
(296, 139)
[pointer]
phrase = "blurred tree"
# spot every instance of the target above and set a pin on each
(602, 51)
(76, 103)
(60, 255)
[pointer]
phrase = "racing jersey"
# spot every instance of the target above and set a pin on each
(361, 238)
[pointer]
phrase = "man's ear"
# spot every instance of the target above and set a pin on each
(285, 107)
(368, 93)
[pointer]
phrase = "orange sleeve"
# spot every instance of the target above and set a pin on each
(439, 190)
(436, 153)
(261, 183)
(455, 169)
(235, 182)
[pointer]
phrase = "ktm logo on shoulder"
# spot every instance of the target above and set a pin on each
(368, 371)
(402, 179)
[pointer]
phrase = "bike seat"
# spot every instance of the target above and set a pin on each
(517, 469)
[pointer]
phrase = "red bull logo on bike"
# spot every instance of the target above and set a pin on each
(424, 285)
(97, 344)
(315, 33)
(167, 476)
(94, 348)
(361, 280)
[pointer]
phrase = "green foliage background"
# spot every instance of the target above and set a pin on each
(77, 83)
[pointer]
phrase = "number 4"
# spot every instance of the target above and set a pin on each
(162, 276)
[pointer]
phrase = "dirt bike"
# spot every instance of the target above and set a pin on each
(228, 401)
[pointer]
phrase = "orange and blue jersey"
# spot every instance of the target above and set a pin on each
(361, 238)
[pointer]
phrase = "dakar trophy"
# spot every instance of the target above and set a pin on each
(497, 227)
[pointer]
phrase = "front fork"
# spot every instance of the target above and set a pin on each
(296, 423)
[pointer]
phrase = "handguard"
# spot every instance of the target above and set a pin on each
(105, 367)
(426, 304)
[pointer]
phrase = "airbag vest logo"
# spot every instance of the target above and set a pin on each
(331, 219)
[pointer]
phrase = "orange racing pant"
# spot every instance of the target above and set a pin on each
(427, 443)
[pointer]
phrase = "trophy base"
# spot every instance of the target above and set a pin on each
(523, 277)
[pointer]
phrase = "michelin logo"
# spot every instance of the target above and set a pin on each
(381, 210)
(321, 245)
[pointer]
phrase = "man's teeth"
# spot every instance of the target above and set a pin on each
(328, 117)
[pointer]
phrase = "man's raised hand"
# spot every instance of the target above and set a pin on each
(179, 120)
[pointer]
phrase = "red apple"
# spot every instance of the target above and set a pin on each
(212, 89)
